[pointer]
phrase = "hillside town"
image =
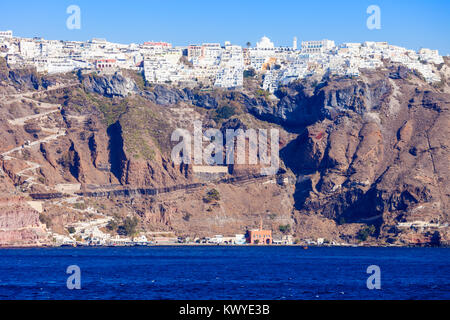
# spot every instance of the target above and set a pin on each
(214, 64)
(204, 65)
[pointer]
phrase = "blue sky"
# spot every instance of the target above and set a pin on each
(409, 23)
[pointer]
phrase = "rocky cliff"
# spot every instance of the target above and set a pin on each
(376, 153)
(356, 153)
(20, 225)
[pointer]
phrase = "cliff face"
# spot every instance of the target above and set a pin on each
(109, 85)
(20, 225)
(356, 152)
(377, 154)
(23, 79)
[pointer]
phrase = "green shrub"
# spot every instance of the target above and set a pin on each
(187, 216)
(364, 233)
(112, 225)
(80, 206)
(45, 220)
(263, 93)
(129, 226)
(224, 112)
(435, 239)
(250, 73)
(285, 228)
(212, 196)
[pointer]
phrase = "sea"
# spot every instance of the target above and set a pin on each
(225, 272)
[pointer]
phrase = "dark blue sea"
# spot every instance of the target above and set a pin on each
(291, 273)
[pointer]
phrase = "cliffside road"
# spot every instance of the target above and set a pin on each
(356, 155)
(57, 132)
(39, 104)
(129, 192)
(33, 166)
(34, 143)
(21, 121)
(28, 94)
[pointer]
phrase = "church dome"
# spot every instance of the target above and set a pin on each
(265, 43)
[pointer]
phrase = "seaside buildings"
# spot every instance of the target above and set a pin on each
(214, 64)
(259, 236)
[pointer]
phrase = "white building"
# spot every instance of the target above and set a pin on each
(194, 51)
(317, 47)
(430, 56)
(211, 53)
(106, 65)
(217, 239)
(29, 48)
(6, 34)
(265, 44)
(262, 53)
(230, 77)
(212, 64)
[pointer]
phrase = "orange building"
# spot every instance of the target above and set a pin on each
(259, 236)
(103, 64)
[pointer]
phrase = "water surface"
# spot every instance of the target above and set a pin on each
(216, 272)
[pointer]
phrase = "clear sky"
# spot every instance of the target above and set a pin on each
(409, 23)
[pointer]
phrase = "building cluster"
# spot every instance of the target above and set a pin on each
(214, 64)
(93, 233)
(348, 59)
